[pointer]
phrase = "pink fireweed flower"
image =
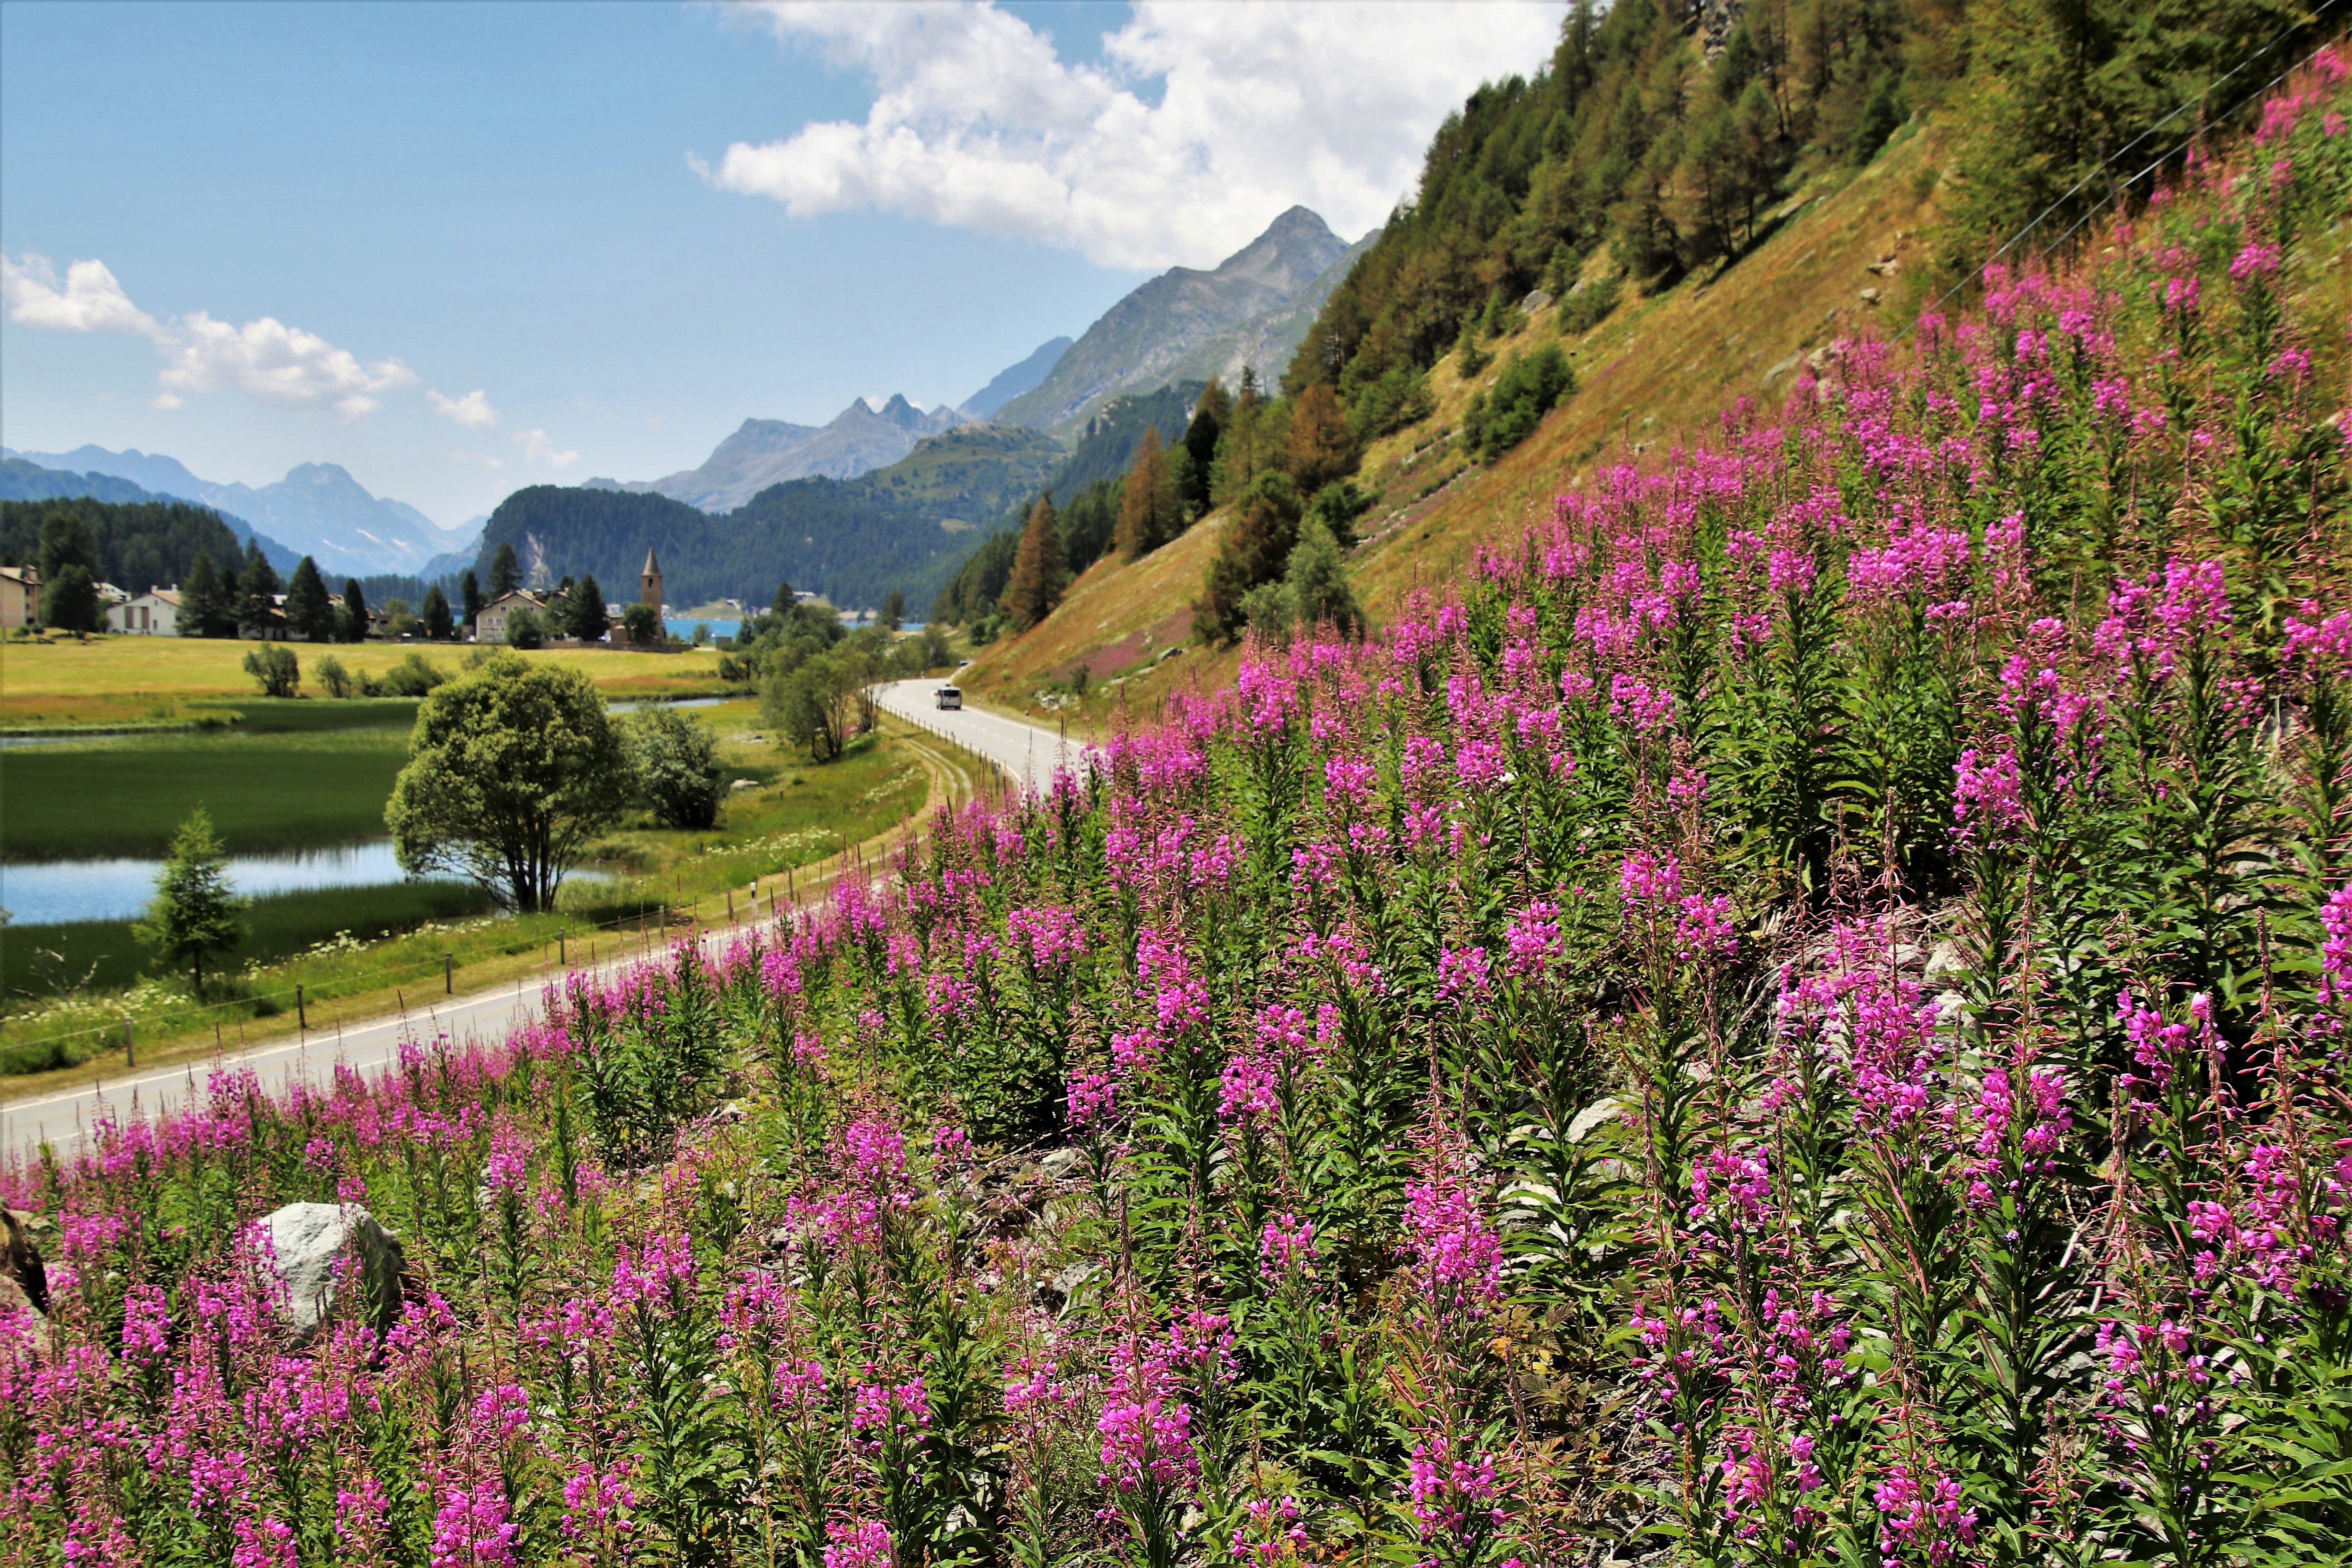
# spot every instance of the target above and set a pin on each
(1650, 879)
(1730, 1192)
(1644, 708)
(660, 1276)
(508, 1170)
(473, 1528)
(800, 1386)
(883, 1409)
(1460, 1258)
(1533, 938)
(1093, 1098)
(1449, 1488)
(1287, 1244)
(593, 1499)
(860, 1545)
(1247, 1090)
(1274, 1522)
(1464, 972)
(1988, 801)
(1920, 1518)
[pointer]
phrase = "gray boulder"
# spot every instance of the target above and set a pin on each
(305, 1239)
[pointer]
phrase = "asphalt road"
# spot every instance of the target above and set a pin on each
(1025, 752)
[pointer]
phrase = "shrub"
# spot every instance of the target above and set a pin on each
(525, 629)
(336, 680)
(274, 668)
(1529, 387)
(675, 761)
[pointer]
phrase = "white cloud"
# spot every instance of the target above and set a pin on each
(467, 455)
(538, 447)
(91, 300)
(266, 359)
(473, 410)
(978, 124)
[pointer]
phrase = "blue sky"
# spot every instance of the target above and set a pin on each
(320, 229)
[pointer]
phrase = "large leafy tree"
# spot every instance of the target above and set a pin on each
(1037, 584)
(676, 762)
(512, 771)
(195, 911)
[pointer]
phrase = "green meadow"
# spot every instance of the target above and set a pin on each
(268, 788)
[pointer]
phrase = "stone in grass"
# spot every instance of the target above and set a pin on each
(303, 1240)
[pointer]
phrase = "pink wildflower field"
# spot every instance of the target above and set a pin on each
(1799, 1017)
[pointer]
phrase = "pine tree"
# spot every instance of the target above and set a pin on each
(1210, 416)
(469, 590)
(438, 622)
(506, 572)
(1149, 511)
(1317, 580)
(1322, 449)
(784, 601)
(308, 613)
(257, 589)
(69, 601)
(195, 910)
(1257, 547)
(355, 618)
(200, 598)
(589, 622)
(67, 540)
(1037, 584)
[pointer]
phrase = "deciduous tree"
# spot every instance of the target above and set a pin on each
(513, 770)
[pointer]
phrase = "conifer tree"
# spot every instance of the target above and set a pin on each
(1150, 509)
(1322, 449)
(438, 622)
(308, 614)
(196, 910)
(588, 621)
(1210, 416)
(469, 589)
(506, 572)
(258, 588)
(201, 610)
(1037, 584)
(354, 621)
(1317, 581)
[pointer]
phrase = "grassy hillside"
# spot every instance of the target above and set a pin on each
(1656, 372)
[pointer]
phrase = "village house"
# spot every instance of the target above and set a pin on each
(155, 614)
(490, 626)
(20, 596)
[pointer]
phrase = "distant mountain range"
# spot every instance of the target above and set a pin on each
(905, 526)
(1012, 383)
(765, 452)
(1254, 308)
(318, 509)
(21, 480)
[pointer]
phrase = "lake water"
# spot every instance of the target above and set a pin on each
(50, 892)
